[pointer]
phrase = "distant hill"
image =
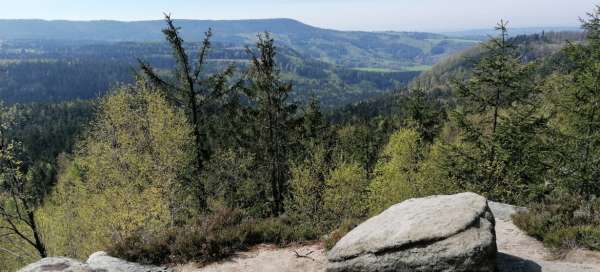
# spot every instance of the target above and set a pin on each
(354, 49)
(535, 47)
(437, 81)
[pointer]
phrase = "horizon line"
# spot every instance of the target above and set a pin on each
(440, 31)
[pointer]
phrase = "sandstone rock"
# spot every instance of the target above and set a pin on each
(439, 233)
(503, 211)
(56, 264)
(101, 261)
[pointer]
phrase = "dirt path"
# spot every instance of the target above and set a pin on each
(517, 253)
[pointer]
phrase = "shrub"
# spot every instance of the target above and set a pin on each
(216, 237)
(563, 221)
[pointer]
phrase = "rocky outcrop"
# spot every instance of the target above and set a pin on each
(439, 233)
(97, 262)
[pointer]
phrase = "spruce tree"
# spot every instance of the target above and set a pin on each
(274, 118)
(500, 125)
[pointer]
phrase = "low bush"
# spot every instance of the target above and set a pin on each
(214, 238)
(563, 221)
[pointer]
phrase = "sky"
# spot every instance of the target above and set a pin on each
(368, 15)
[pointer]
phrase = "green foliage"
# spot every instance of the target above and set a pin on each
(233, 182)
(130, 171)
(307, 185)
(433, 179)
(396, 172)
(575, 97)
(273, 118)
(345, 192)
(22, 188)
(569, 216)
(498, 150)
(424, 114)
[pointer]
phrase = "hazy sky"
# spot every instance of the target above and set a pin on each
(422, 15)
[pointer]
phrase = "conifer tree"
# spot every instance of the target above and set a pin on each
(500, 124)
(274, 118)
(192, 89)
(578, 106)
(424, 114)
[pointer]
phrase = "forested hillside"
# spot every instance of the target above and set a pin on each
(438, 82)
(40, 71)
(196, 159)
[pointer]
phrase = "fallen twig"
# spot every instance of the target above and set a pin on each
(298, 255)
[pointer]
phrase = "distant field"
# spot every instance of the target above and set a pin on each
(415, 68)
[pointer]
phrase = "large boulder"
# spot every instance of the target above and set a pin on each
(438, 233)
(56, 264)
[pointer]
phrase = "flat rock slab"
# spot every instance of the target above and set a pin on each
(56, 264)
(438, 233)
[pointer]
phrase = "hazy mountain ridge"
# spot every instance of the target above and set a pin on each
(390, 50)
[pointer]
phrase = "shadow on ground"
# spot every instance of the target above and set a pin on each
(510, 263)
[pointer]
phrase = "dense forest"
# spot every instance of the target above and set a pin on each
(192, 161)
(43, 71)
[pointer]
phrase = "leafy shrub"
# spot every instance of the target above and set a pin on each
(563, 221)
(396, 171)
(345, 192)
